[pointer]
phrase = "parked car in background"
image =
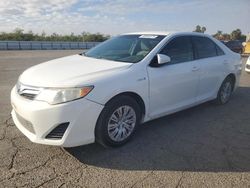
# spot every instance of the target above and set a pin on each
(247, 44)
(247, 68)
(104, 94)
(224, 42)
(235, 45)
(246, 47)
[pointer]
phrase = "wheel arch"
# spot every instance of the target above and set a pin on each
(133, 95)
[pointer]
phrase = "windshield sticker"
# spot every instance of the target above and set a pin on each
(148, 36)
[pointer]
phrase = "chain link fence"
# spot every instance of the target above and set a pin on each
(45, 45)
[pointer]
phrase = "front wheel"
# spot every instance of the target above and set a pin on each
(118, 121)
(225, 91)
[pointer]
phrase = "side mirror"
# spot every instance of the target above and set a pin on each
(162, 59)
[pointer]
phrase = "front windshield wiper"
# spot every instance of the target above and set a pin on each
(103, 57)
(82, 54)
(96, 57)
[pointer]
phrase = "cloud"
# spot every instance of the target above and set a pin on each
(121, 7)
(32, 8)
(65, 16)
(117, 16)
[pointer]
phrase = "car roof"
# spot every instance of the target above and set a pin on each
(149, 33)
(166, 33)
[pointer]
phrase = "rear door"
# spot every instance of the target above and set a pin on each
(212, 61)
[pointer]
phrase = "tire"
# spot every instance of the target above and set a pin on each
(225, 91)
(119, 129)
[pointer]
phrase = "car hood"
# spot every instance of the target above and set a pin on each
(71, 71)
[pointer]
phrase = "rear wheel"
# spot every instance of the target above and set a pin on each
(225, 91)
(118, 121)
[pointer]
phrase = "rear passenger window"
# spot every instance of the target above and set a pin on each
(219, 50)
(204, 47)
(179, 50)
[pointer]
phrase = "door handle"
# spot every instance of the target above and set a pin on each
(195, 68)
(225, 62)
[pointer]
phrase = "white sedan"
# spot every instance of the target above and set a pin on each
(247, 68)
(104, 94)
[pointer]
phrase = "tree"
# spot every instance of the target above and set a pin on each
(203, 29)
(218, 35)
(200, 29)
(236, 34)
(197, 29)
(219, 32)
(18, 34)
(18, 31)
(43, 34)
(226, 36)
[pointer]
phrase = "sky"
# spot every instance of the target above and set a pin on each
(121, 16)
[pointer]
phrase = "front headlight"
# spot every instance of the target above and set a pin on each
(56, 96)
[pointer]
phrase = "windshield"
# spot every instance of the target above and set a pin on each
(125, 48)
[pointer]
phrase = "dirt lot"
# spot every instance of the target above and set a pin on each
(206, 146)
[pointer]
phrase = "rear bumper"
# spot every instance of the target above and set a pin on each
(42, 118)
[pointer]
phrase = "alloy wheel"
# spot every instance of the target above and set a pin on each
(121, 123)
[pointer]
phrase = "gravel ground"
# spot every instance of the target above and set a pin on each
(205, 146)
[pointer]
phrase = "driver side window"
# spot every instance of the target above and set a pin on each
(179, 50)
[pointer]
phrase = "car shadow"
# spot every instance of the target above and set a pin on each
(207, 137)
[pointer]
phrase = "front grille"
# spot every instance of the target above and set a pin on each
(27, 92)
(58, 132)
(26, 124)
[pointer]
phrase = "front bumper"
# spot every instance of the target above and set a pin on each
(42, 118)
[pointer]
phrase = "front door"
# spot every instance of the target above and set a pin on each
(173, 86)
